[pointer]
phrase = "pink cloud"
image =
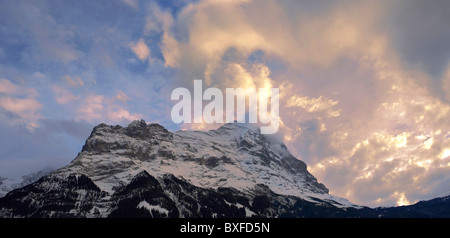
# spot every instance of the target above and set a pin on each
(21, 106)
(96, 108)
(141, 50)
(74, 81)
(21, 102)
(27, 110)
(92, 108)
(121, 97)
(62, 95)
(7, 87)
(117, 114)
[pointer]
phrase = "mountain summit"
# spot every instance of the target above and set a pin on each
(234, 155)
(144, 170)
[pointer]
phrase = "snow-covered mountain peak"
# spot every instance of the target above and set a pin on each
(234, 155)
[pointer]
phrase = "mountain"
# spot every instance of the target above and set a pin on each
(144, 170)
(436, 208)
(8, 184)
(5, 185)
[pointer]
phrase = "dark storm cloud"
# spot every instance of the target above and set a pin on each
(421, 34)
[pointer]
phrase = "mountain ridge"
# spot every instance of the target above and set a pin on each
(144, 170)
(8, 184)
(233, 155)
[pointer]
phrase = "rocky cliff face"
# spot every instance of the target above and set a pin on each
(232, 156)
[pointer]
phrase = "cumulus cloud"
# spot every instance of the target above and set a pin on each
(141, 50)
(351, 108)
(20, 104)
(446, 83)
(313, 104)
(394, 157)
(92, 108)
(98, 108)
(216, 27)
(7, 87)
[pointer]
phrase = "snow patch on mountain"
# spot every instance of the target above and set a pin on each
(151, 208)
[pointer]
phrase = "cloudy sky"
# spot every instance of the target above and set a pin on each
(364, 85)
